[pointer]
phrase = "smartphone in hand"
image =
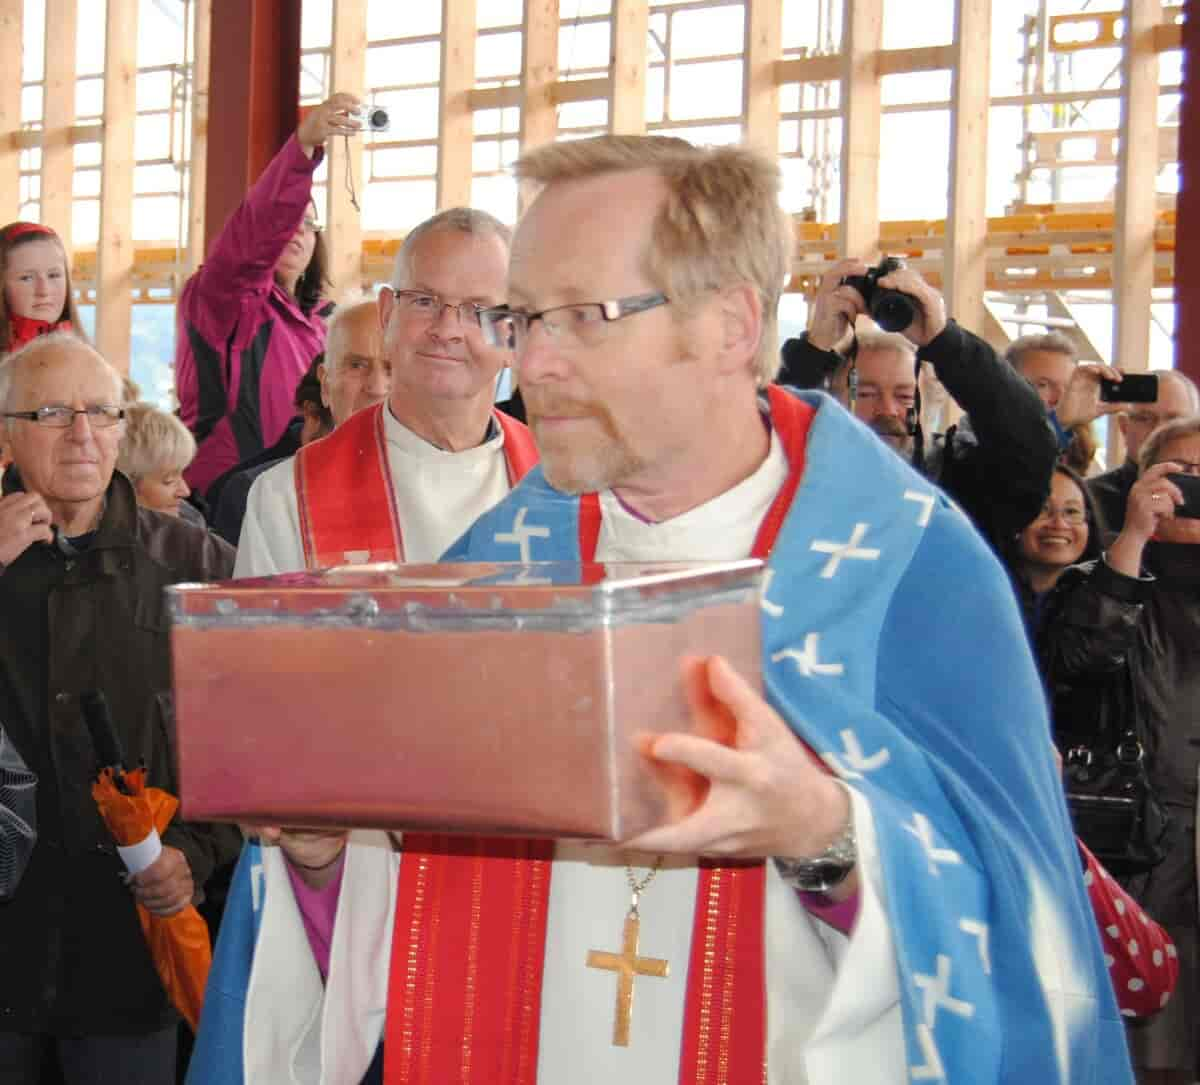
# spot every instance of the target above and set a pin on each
(1135, 388)
(1190, 485)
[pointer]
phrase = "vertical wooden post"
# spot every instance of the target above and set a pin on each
(348, 72)
(456, 119)
(966, 229)
(862, 36)
(198, 161)
(627, 104)
(1137, 171)
(1187, 230)
(764, 46)
(58, 115)
(539, 73)
(11, 25)
(114, 251)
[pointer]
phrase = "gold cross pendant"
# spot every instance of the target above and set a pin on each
(626, 964)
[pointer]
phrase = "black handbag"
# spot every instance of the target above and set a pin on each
(18, 816)
(1113, 805)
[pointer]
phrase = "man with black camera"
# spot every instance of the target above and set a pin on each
(997, 462)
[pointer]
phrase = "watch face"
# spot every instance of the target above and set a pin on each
(814, 876)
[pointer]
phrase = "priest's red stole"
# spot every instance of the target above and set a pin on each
(464, 998)
(345, 495)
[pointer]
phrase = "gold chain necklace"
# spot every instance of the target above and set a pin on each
(627, 964)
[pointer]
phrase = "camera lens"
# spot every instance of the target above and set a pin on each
(892, 310)
(377, 119)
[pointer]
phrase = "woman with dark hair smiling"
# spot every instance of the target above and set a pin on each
(251, 318)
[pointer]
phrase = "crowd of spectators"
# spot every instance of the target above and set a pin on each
(106, 500)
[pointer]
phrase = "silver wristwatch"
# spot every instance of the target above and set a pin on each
(825, 871)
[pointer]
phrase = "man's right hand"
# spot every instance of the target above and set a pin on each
(24, 520)
(835, 306)
(1081, 403)
(312, 853)
(1152, 499)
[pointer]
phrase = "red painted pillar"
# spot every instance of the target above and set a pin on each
(1187, 222)
(254, 96)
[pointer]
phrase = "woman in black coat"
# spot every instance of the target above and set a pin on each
(1131, 622)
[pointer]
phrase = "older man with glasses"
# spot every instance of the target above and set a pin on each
(402, 480)
(82, 572)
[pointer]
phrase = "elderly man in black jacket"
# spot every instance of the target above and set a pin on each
(997, 462)
(82, 573)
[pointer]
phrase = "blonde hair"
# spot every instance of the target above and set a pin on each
(720, 224)
(1051, 342)
(154, 441)
(881, 341)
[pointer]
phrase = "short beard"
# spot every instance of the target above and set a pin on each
(587, 464)
(894, 433)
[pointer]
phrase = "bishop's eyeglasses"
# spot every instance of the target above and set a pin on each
(581, 325)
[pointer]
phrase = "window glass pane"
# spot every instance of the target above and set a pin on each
(155, 218)
(89, 45)
(583, 45)
(31, 104)
(391, 65)
(85, 224)
(389, 19)
(913, 87)
(706, 90)
(152, 348)
(160, 32)
(592, 114)
(392, 162)
(414, 113)
(914, 185)
(155, 90)
(500, 13)
(398, 205)
(496, 195)
(89, 98)
(33, 42)
(152, 137)
(705, 33)
(497, 55)
(316, 24)
(934, 27)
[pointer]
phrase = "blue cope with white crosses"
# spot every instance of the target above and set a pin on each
(892, 645)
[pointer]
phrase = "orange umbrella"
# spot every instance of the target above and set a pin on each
(179, 943)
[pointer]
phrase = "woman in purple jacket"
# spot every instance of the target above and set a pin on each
(250, 320)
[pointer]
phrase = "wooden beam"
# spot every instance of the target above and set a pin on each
(565, 90)
(198, 158)
(539, 73)
(114, 252)
(967, 225)
(827, 67)
(627, 105)
(456, 122)
(1137, 173)
(764, 45)
(11, 20)
(343, 221)
(58, 117)
(863, 31)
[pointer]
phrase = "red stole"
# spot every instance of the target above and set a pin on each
(345, 495)
(468, 949)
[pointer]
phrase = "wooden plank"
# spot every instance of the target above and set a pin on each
(925, 58)
(198, 157)
(627, 105)
(114, 253)
(764, 44)
(967, 225)
(58, 118)
(11, 22)
(863, 31)
(456, 121)
(539, 73)
(343, 221)
(1134, 253)
(564, 90)
(494, 97)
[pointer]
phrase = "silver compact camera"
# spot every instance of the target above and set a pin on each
(374, 118)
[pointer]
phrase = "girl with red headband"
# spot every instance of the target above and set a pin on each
(36, 295)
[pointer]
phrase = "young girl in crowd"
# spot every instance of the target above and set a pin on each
(36, 297)
(250, 320)
(155, 451)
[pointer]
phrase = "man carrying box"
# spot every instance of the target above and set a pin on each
(875, 878)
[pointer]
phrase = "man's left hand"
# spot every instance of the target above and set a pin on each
(165, 886)
(1081, 403)
(931, 306)
(761, 791)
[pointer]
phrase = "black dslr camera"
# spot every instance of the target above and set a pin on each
(892, 310)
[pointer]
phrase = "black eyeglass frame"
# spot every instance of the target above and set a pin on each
(93, 413)
(611, 310)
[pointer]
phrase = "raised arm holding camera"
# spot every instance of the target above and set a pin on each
(251, 318)
(996, 463)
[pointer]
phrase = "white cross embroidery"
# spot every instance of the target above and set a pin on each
(979, 931)
(773, 610)
(520, 534)
(846, 551)
(854, 757)
(937, 993)
(931, 1069)
(806, 661)
(923, 831)
(924, 500)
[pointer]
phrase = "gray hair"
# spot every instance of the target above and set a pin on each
(1052, 342)
(1186, 382)
(889, 341)
(346, 311)
(154, 441)
(11, 367)
(1151, 451)
(466, 220)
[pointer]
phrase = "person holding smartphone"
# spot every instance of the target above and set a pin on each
(1133, 619)
(1175, 396)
